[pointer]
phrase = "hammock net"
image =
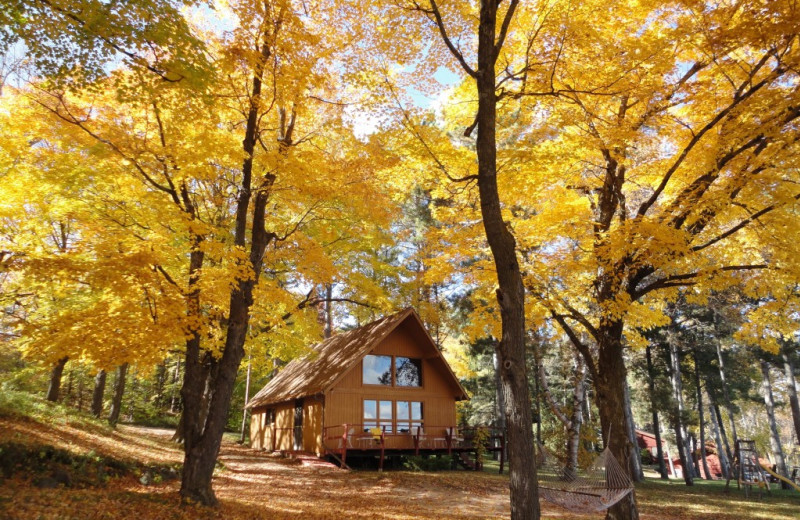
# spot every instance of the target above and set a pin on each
(592, 489)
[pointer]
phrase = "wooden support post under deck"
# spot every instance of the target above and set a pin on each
(383, 445)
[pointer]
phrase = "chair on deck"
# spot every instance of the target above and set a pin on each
(350, 434)
(440, 441)
(422, 437)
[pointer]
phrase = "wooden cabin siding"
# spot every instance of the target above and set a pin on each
(284, 426)
(312, 425)
(258, 426)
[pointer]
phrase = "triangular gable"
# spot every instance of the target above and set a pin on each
(332, 359)
(431, 346)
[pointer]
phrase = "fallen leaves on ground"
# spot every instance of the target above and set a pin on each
(257, 485)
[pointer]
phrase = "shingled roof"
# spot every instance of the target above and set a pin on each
(317, 371)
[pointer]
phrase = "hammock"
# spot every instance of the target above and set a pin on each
(594, 489)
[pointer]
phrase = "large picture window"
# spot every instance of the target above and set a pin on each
(391, 416)
(377, 370)
(392, 371)
(378, 414)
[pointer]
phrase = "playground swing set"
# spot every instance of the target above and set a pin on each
(749, 472)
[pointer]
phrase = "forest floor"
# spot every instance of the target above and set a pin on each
(254, 485)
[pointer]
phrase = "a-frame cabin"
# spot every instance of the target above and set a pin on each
(383, 385)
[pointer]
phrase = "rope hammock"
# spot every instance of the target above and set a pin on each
(593, 489)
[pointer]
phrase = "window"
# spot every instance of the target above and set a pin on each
(408, 371)
(409, 416)
(378, 414)
(377, 370)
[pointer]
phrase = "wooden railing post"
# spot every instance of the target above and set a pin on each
(344, 445)
(416, 443)
(448, 435)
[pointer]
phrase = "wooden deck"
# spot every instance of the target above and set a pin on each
(345, 440)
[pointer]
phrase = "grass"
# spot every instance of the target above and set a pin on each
(255, 485)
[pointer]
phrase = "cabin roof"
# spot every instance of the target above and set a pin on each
(320, 369)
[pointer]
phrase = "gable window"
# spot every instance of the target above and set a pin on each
(408, 371)
(378, 414)
(392, 371)
(377, 370)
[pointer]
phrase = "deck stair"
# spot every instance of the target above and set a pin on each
(465, 461)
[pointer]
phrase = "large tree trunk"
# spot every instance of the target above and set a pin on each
(700, 416)
(774, 437)
(54, 388)
(511, 293)
(99, 391)
(119, 391)
(681, 438)
(203, 435)
(610, 388)
(635, 457)
(662, 467)
(723, 459)
(791, 388)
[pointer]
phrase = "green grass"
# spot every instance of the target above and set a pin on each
(25, 405)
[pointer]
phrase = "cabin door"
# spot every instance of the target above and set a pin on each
(298, 424)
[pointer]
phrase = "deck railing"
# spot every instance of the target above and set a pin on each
(340, 438)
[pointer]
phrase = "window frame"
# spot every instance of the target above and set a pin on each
(393, 369)
(393, 423)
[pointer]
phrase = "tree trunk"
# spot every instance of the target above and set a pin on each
(328, 310)
(610, 381)
(681, 438)
(774, 437)
(722, 431)
(725, 394)
(662, 467)
(176, 377)
(160, 381)
(636, 459)
(791, 388)
(694, 455)
(500, 409)
(55, 379)
(203, 436)
(99, 391)
(723, 459)
(572, 423)
(119, 391)
(511, 293)
(700, 416)
(246, 397)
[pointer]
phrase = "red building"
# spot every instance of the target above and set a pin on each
(647, 440)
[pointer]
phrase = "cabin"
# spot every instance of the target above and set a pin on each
(381, 388)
